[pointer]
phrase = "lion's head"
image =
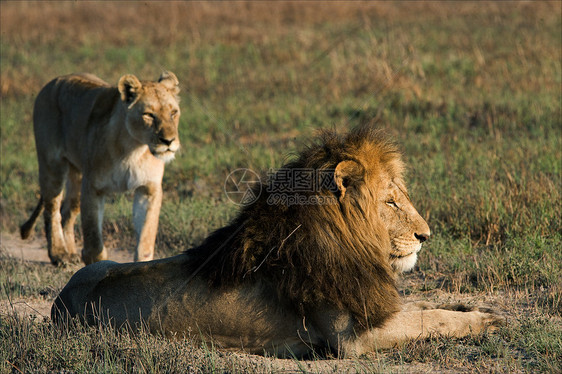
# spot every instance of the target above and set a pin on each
(372, 172)
(153, 112)
(340, 241)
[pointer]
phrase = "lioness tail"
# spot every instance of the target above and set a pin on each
(27, 227)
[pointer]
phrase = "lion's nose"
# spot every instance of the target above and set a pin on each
(422, 237)
(166, 141)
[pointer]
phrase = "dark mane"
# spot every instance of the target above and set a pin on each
(314, 253)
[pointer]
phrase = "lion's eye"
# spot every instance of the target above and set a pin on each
(149, 117)
(392, 204)
(174, 113)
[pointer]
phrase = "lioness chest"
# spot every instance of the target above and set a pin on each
(138, 168)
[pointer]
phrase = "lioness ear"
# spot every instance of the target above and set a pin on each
(129, 87)
(170, 81)
(347, 173)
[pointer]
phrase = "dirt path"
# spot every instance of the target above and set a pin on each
(35, 251)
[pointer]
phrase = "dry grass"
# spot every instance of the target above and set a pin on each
(64, 26)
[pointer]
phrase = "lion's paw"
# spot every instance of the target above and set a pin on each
(457, 307)
(480, 318)
(493, 319)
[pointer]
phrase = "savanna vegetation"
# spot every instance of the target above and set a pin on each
(471, 91)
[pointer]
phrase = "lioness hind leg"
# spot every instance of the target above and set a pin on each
(56, 244)
(70, 209)
(52, 176)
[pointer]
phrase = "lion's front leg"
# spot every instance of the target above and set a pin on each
(146, 209)
(92, 207)
(422, 323)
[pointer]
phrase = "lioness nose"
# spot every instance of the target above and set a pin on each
(422, 237)
(166, 141)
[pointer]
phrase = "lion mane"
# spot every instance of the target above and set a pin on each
(317, 253)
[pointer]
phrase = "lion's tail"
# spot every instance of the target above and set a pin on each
(27, 227)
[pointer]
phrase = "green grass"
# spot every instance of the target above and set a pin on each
(470, 92)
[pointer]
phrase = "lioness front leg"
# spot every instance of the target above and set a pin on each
(413, 324)
(92, 207)
(146, 209)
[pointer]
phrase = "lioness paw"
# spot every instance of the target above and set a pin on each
(66, 260)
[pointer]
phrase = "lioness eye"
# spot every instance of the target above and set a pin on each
(148, 116)
(174, 113)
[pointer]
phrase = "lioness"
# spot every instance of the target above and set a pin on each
(101, 139)
(284, 278)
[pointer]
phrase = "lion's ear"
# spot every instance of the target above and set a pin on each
(129, 87)
(170, 81)
(346, 174)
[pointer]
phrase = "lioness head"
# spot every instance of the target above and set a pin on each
(371, 181)
(153, 112)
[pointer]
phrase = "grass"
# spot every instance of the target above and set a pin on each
(470, 91)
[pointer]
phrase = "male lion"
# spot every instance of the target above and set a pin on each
(101, 139)
(286, 278)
